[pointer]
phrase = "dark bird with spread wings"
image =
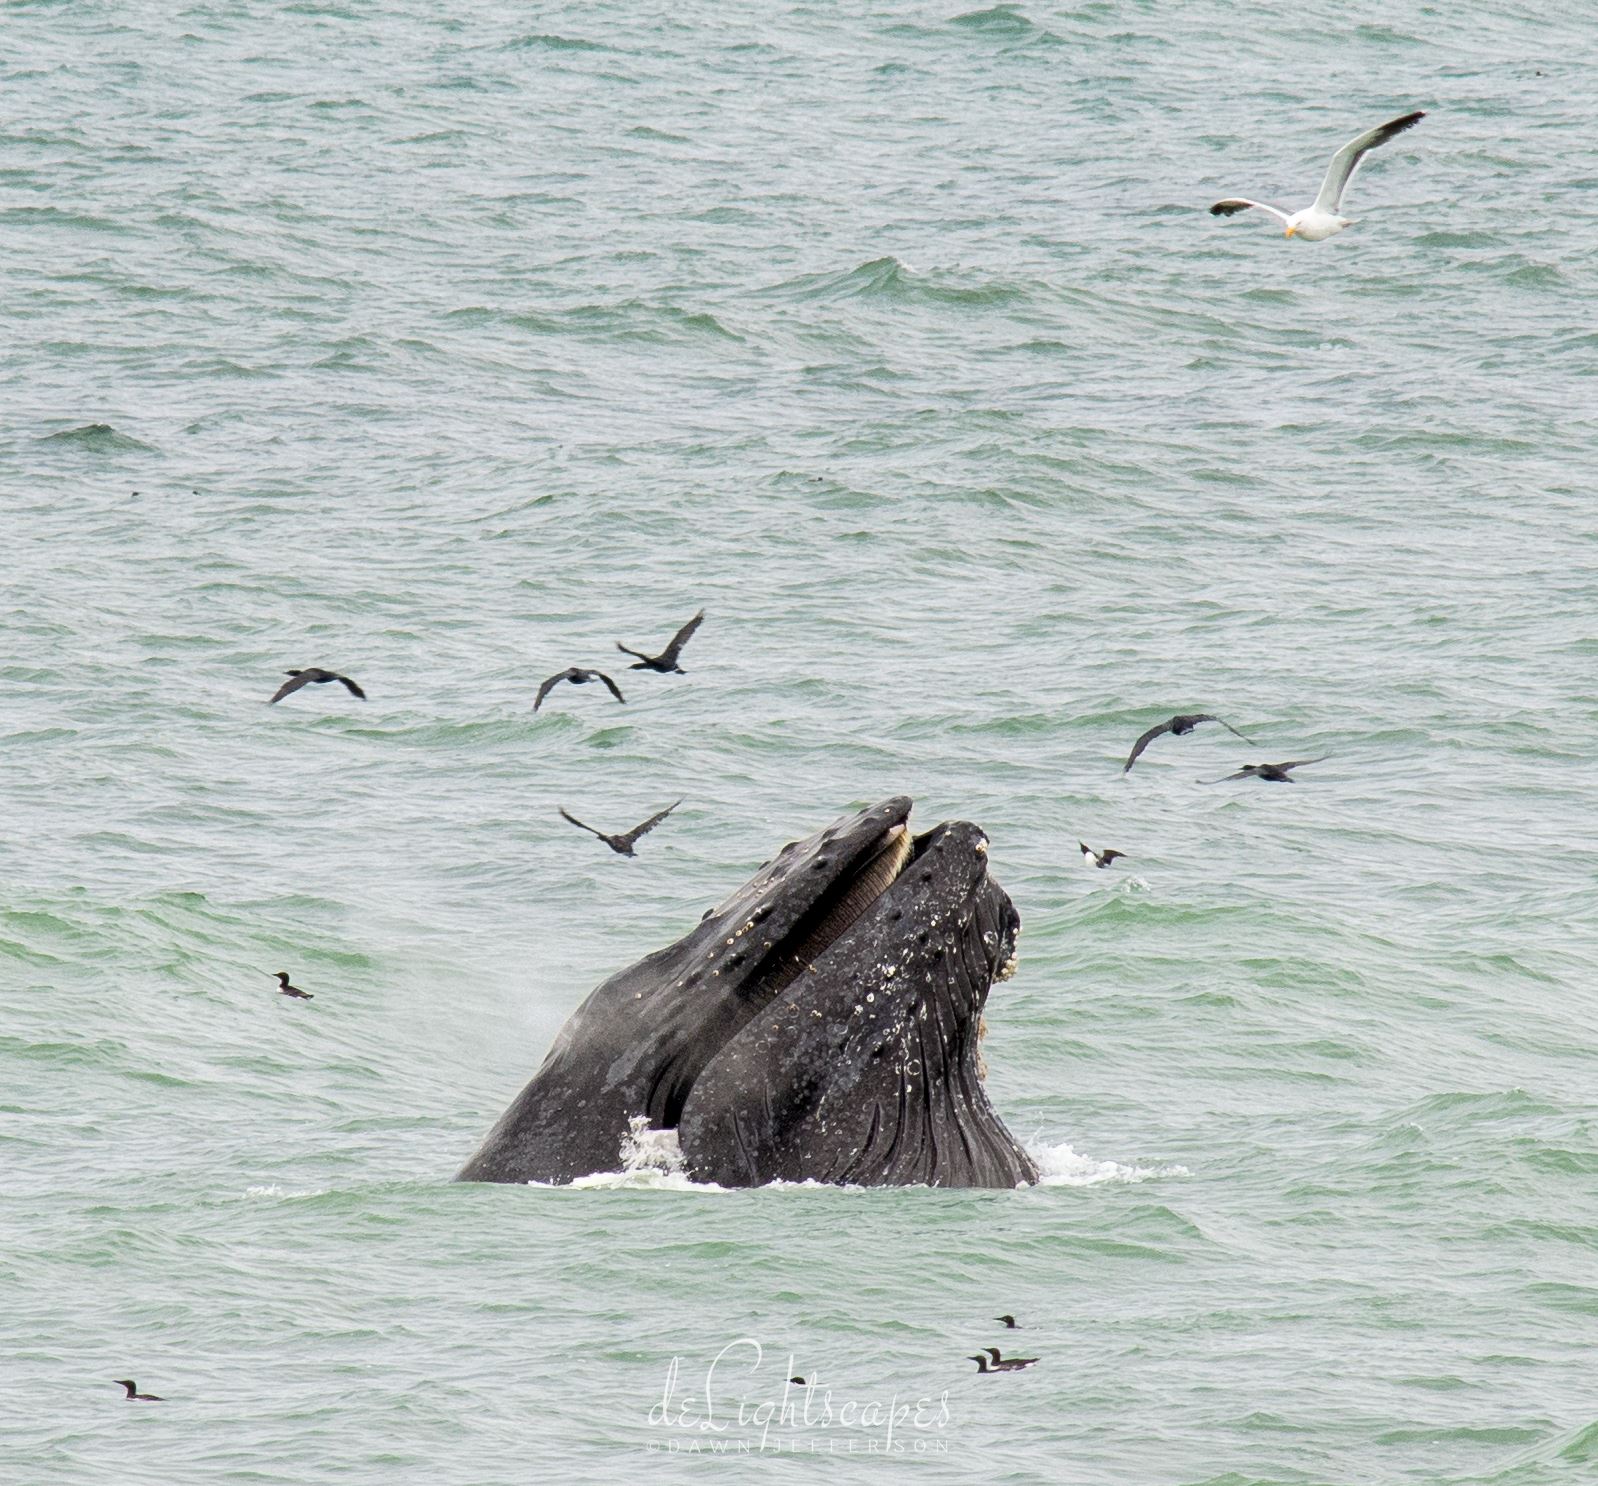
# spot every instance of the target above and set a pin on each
(1277, 773)
(297, 679)
(578, 677)
(622, 845)
(1182, 724)
(667, 659)
(1097, 859)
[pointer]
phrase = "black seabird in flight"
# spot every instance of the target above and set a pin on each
(1182, 724)
(1095, 859)
(667, 659)
(623, 844)
(133, 1391)
(1275, 772)
(285, 989)
(578, 677)
(297, 679)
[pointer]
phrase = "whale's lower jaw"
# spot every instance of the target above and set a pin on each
(821, 1024)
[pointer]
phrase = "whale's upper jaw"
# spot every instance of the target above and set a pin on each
(639, 1040)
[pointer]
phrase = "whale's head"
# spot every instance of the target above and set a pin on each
(820, 1023)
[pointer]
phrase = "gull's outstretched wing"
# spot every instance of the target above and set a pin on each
(1235, 204)
(1346, 161)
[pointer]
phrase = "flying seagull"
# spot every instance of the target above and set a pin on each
(1276, 772)
(623, 844)
(578, 677)
(297, 679)
(285, 989)
(1093, 859)
(133, 1391)
(1181, 725)
(1320, 219)
(667, 659)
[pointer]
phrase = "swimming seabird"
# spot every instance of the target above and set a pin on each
(133, 1391)
(1015, 1364)
(297, 679)
(1182, 724)
(1276, 772)
(667, 659)
(1097, 859)
(800, 1381)
(1320, 219)
(285, 989)
(1010, 1323)
(1008, 1362)
(623, 844)
(578, 677)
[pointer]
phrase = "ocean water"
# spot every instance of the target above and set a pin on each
(446, 346)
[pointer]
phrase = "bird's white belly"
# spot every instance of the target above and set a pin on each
(1316, 226)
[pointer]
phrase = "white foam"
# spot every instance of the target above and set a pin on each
(1061, 1166)
(652, 1159)
(649, 1158)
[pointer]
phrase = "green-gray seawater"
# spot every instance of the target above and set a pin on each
(446, 346)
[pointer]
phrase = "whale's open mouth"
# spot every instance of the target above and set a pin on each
(836, 910)
(821, 1022)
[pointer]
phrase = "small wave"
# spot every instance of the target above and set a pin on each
(1002, 20)
(1061, 1166)
(99, 437)
(893, 279)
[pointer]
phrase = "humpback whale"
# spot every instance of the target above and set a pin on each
(820, 1024)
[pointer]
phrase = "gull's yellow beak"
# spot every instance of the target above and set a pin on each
(1290, 231)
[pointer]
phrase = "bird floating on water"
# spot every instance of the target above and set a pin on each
(297, 679)
(1277, 773)
(1011, 1364)
(667, 659)
(1181, 725)
(1320, 219)
(285, 989)
(1093, 859)
(1010, 1323)
(133, 1391)
(578, 677)
(622, 845)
